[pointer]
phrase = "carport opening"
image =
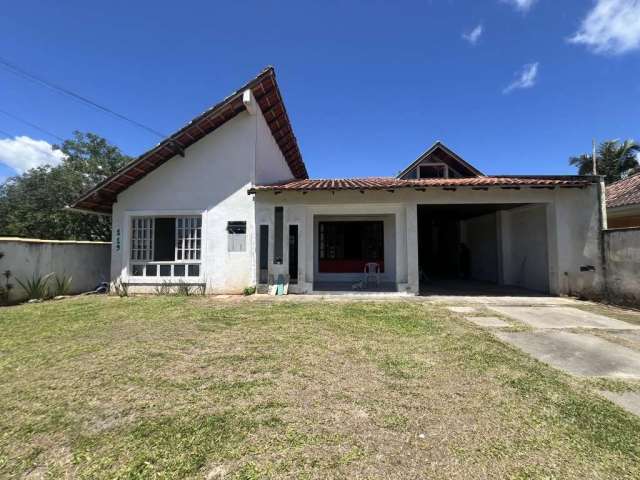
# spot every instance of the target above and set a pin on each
(468, 248)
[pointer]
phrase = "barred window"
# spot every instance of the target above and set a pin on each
(142, 238)
(166, 246)
(188, 238)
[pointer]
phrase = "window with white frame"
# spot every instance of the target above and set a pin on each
(237, 232)
(166, 246)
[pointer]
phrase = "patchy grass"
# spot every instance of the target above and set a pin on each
(620, 313)
(194, 388)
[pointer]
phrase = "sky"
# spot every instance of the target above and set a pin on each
(513, 86)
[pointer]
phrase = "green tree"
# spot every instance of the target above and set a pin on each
(32, 204)
(614, 160)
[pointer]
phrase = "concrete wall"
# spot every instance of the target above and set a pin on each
(480, 234)
(211, 180)
(622, 259)
(86, 262)
(524, 253)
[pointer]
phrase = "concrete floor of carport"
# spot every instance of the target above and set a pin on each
(563, 336)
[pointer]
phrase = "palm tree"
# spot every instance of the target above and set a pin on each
(614, 160)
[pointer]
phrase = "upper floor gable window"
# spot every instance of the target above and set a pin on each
(433, 170)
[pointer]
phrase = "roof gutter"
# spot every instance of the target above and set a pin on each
(68, 208)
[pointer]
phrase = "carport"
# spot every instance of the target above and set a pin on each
(465, 248)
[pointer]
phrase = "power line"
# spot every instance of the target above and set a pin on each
(3, 132)
(33, 125)
(34, 78)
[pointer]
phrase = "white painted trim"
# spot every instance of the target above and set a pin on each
(126, 245)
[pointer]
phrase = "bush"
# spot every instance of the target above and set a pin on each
(36, 288)
(62, 285)
(249, 290)
(120, 288)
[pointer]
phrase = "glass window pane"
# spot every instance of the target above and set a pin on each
(165, 270)
(136, 270)
(178, 270)
(152, 271)
(194, 270)
(278, 246)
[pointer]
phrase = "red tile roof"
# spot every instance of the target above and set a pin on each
(624, 192)
(390, 183)
(267, 94)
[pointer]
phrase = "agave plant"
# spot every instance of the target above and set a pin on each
(36, 288)
(62, 284)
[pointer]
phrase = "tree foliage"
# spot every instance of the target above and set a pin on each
(32, 204)
(615, 160)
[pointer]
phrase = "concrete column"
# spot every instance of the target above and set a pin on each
(413, 272)
(556, 275)
(502, 235)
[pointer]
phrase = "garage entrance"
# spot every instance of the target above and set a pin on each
(464, 247)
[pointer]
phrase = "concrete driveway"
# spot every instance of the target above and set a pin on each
(565, 334)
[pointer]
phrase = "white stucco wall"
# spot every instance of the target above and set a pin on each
(571, 216)
(211, 180)
(270, 166)
(524, 252)
(306, 216)
(86, 262)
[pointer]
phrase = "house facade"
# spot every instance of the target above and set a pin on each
(623, 203)
(226, 201)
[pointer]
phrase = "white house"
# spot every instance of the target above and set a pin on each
(226, 201)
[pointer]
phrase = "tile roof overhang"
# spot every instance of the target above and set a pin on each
(267, 94)
(390, 183)
(624, 192)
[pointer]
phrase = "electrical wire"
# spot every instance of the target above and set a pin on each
(33, 125)
(37, 79)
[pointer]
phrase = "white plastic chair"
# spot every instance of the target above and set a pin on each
(371, 269)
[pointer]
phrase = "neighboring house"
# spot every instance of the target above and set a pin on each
(227, 201)
(623, 203)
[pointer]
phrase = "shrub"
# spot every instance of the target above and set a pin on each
(5, 289)
(183, 289)
(36, 288)
(163, 289)
(120, 288)
(62, 285)
(249, 290)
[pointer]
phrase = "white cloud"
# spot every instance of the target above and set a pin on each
(474, 35)
(23, 153)
(526, 78)
(612, 26)
(523, 5)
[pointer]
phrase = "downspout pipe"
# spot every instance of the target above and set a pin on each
(602, 210)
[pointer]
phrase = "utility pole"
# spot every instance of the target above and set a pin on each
(593, 157)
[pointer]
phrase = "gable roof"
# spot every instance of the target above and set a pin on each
(267, 94)
(461, 164)
(390, 183)
(624, 192)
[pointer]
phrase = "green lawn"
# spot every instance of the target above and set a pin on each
(171, 387)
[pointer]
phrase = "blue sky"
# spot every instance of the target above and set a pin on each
(368, 85)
